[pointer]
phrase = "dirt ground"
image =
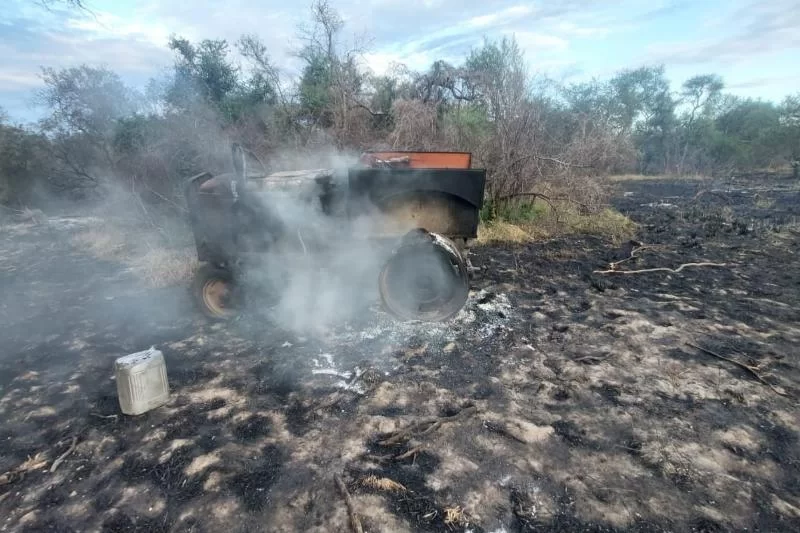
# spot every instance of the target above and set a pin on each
(558, 400)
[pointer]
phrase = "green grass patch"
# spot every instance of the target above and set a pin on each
(529, 221)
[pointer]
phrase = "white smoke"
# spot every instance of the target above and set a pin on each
(325, 270)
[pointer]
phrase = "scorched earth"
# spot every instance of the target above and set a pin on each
(559, 399)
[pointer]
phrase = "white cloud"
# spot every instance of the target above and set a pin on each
(15, 80)
(553, 34)
(107, 25)
(755, 29)
(504, 16)
(764, 81)
(381, 62)
(570, 28)
(535, 42)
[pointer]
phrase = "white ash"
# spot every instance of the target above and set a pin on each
(332, 372)
(373, 342)
(69, 223)
(328, 357)
(484, 315)
(349, 380)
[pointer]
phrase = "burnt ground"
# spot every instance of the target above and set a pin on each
(558, 400)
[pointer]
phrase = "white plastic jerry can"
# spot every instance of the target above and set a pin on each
(141, 381)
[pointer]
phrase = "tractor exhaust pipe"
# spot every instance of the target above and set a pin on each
(425, 278)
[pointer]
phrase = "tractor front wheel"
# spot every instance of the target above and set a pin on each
(216, 293)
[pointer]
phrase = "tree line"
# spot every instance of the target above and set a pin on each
(529, 132)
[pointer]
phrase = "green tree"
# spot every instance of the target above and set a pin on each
(749, 130)
(264, 85)
(700, 95)
(495, 75)
(315, 89)
(23, 157)
(639, 95)
(202, 72)
(332, 83)
(789, 132)
(84, 104)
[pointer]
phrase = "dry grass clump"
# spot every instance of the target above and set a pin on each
(103, 242)
(156, 265)
(523, 224)
(162, 267)
(455, 516)
(504, 232)
(605, 223)
(382, 483)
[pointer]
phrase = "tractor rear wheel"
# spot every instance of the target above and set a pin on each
(215, 292)
(425, 279)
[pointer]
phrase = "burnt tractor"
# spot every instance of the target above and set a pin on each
(417, 212)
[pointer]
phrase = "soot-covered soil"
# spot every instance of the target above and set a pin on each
(558, 400)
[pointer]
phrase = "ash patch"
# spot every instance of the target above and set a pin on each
(486, 313)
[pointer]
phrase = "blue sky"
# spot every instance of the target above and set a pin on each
(753, 45)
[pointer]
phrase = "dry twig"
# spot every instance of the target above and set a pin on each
(64, 455)
(105, 417)
(412, 452)
(426, 426)
(750, 369)
(591, 359)
(355, 523)
(31, 463)
(614, 265)
(661, 269)
(702, 192)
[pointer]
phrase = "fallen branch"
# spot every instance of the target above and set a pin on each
(562, 163)
(660, 269)
(164, 198)
(105, 417)
(433, 427)
(543, 158)
(614, 265)
(591, 359)
(382, 459)
(358, 105)
(355, 523)
(534, 195)
(413, 451)
(31, 463)
(423, 427)
(751, 370)
(713, 193)
(64, 455)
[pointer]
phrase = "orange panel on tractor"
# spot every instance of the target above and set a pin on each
(428, 159)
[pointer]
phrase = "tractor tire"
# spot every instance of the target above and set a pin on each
(424, 281)
(215, 292)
